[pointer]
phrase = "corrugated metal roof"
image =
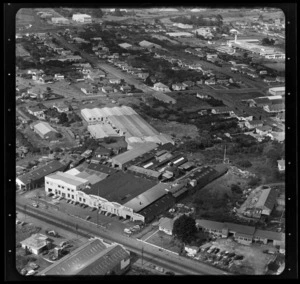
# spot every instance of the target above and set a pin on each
(41, 172)
(44, 128)
(148, 197)
(240, 228)
(268, 235)
(102, 169)
(134, 153)
(267, 198)
(144, 171)
(207, 224)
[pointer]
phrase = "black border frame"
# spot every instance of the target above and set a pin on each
(289, 9)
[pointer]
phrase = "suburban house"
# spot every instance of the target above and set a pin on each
(107, 89)
(274, 108)
(210, 56)
(263, 130)
(222, 110)
(160, 87)
(115, 81)
(253, 124)
(188, 84)
(281, 165)
(38, 111)
(95, 75)
(46, 79)
(143, 75)
(210, 81)
(178, 87)
(59, 77)
(166, 225)
(102, 152)
(164, 98)
(87, 90)
(61, 107)
(125, 88)
(202, 96)
(36, 243)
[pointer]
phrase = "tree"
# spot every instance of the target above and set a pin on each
(184, 228)
(235, 188)
(63, 118)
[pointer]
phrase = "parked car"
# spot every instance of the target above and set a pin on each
(51, 233)
(33, 265)
(88, 217)
(170, 273)
(35, 205)
(238, 257)
(50, 194)
(24, 271)
(31, 272)
(18, 222)
(160, 269)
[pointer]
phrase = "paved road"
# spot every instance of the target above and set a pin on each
(168, 260)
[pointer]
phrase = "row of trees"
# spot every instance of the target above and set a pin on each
(199, 21)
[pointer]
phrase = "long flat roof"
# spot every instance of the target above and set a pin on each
(41, 172)
(147, 197)
(120, 187)
(68, 178)
(134, 153)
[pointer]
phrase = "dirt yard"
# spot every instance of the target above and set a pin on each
(165, 241)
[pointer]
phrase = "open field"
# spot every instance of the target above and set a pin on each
(178, 129)
(279, 66)
(244, 96)
(20, 51)
(165, 241)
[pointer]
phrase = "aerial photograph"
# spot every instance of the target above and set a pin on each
(150, 141)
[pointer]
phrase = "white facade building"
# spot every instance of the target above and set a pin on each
(72, 188)
(82, 18)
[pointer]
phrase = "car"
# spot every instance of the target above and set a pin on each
(33, 265)
(169, 273)
(64, 244)
(216, 250)
(31, 272)
(35, 205)
(160, 269)
(68, 201)
(238, 257)
(60, 198)
(54, 196)
(88, 217)
(18, 222)
(24, 271)
(51, 233)
(232, 254)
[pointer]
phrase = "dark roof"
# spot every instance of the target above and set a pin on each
(157, 207)
(277, 101)
(241, 229)
(268, 235)
(146, 172)
(267, 198)
(102, 169)
(41, 172)
(120, 187)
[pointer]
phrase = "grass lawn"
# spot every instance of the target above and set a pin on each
(165, 241)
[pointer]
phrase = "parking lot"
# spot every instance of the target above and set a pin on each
(228, 254)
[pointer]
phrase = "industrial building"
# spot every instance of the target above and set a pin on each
(120, 161)
(242, 234)
(107, 192)
(82, 18)
(92, 258)
(102, 130)
(35, 178)
(277, 91)
(44, 130)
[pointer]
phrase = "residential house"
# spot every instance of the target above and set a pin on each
(87, 90)
(102, 152)
(178, 87)
(38, 111)
(210, 81)
(115, 81)
(152, 79)
(188, 84)
(253, 124)
(59, 77)
(36, 243)
(274, 108)
(125, 88)
(107, 89)
(95, 75)
(210, 56)
(202, 96)
(143, 75)
(46, 79)
(160, 87)
(222, 110)
(166, 225)
(61, 107)
(263, 130)
(270, 80)
(281, 165)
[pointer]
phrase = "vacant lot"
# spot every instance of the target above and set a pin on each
(244, 95)
(165, 241)
(20, 51)
(174, 128)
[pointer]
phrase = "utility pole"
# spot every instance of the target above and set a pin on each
(142, 255)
